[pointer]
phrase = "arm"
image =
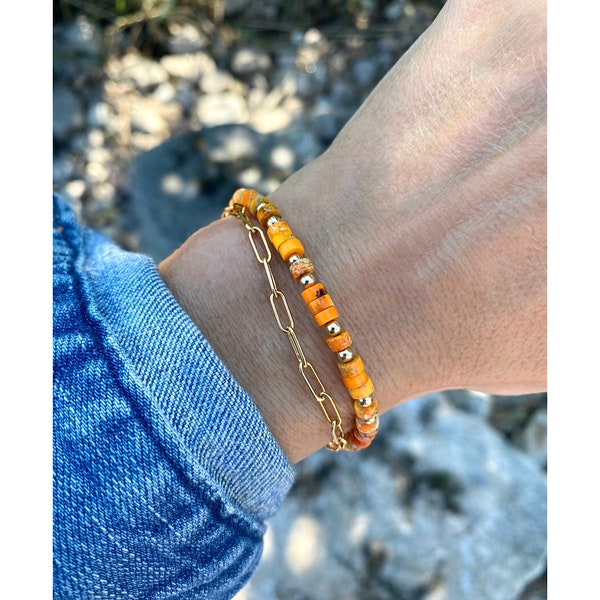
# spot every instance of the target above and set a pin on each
(426, 219)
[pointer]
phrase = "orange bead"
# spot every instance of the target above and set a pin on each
(313, 291)
(366, 412)
(355, 381)
(238, 196)
(303, 266)
(339, 342)
(353, 367)
(243, 195)
(363, 391)
(319, 304)
(360, 442)
(329, 314)
(367, 429)
(279, 232)
(290, 247)
(255, 201)
(265, 212)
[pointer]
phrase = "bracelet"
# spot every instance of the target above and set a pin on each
(319, 303)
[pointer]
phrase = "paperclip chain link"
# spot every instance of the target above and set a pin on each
(285, 322)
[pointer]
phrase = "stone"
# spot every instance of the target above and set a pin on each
(439, 507)
(185, 182)
(185, 38)
(67, 112)
(188, 66)
(143, 73)
(221, 108)
(84, 36)
(249, 60)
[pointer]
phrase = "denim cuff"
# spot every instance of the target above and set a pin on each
(207, 421)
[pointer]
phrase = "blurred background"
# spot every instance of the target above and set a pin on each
(161, 109)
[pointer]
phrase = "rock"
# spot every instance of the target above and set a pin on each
(440, 507)
(148, 121)
(249, 60)
(233, 144)
(269, 120)
(221, 108)
(471, 401)
(67, 113)
(190, 67)
(100, 114)
(185, 38)
(83, 35)
(365, 72)
(142, 72)
(75, 189)
(215, 82)
(185, 182)
(327, 120)
(62, 168)
(533, 439)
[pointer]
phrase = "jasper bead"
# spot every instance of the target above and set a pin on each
(279, 232)
(367, 428)
(303, 266)
(326, 315)
(364, 390)
(250, 199)
(360, 442)
(265, 212)
(366, 412)
(355, 381)
(290, 247)
(313, 291)
(319, 304)
(352, 367)
(339, 342)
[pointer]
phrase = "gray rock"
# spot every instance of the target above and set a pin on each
(62, 168)
(534, 437)
(221, 108)
(144, 73)
(470, 401)
(303, 141)
(440, 507)
(83, 35)
(327, 120)
(190, 67)
(100, 114)
(67, 112)
(185, 37)
(185, 182)
(312, 80)
(365, 71)
(216, 81)
(249, 60)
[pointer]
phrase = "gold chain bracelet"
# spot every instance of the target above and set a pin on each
(285, 322)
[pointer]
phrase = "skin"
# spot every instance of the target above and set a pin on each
(425, 219)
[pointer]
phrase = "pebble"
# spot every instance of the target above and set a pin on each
(185, 38)
(67, 113)
(246, 61)
(221, 108)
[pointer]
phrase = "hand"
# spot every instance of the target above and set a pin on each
(426, 220)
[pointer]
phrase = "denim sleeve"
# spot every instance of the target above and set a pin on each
(164, 471)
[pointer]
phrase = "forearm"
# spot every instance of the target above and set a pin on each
(425, 220)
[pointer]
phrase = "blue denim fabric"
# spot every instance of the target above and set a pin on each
(164, 471)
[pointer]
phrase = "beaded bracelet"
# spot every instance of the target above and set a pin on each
(319, 303)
